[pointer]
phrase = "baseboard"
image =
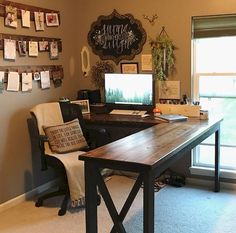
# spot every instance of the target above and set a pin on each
(210, 183)
(17, 200)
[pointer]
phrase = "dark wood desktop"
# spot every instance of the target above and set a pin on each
(116, 118)
(148, 153)
(119, 126)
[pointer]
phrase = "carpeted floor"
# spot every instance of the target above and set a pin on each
(177, 210)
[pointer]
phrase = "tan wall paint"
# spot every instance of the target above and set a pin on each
(176, 16)
(18, 171)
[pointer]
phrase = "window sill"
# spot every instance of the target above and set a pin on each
(205, 171)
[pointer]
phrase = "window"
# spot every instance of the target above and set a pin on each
(214, 83)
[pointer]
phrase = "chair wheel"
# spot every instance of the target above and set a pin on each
(38, 203)
(61, 212)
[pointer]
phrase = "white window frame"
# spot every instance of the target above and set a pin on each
(197, 168)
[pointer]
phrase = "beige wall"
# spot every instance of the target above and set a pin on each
(18, 169)
(19, 172)
(175, 15)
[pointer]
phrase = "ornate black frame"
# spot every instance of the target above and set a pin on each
(116, 37)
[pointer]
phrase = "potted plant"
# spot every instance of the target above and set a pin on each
(162, 49)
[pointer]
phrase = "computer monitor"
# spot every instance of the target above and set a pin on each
(129, 91)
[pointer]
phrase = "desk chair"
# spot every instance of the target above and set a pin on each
(48, 118)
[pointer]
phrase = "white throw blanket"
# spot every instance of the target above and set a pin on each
(49, 114)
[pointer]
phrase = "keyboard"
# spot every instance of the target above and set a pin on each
(128, 112)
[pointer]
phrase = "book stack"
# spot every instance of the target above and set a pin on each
(171, 117)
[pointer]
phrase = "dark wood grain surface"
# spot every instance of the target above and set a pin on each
(119, 119)
(153, 145)
(148, 152)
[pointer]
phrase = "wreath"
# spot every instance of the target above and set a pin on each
(98, 71)
(162, 49)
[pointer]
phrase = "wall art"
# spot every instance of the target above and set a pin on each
(39, 21)
(11, 17)
(116, 37)
(52, 19)
(129, 68)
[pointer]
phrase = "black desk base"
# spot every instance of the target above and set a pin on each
(146, 176)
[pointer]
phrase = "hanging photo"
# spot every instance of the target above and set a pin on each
(11, 17)
(53, 50)
(36, 76)
(39, 21)
(22, 48)
(25, 18)
(26, 82)
(43, 46)
(13, 82)
(9, 49)
(2, 74)
(57, 76)
(33, 49)
(52, 19)
(45, 79)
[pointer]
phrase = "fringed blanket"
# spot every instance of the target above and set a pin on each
(49, 114)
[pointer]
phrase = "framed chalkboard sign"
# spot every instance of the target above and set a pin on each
(116, 37)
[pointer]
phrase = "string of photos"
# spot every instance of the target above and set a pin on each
(16, 80)
(29, 46)
(26, 13)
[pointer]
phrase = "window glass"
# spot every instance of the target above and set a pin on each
(216, 55)
(215, 70)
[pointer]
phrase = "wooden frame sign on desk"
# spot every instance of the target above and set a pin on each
(148, 153)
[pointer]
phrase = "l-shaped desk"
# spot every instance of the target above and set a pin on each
(148, 153)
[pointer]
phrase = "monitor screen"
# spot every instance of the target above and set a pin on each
(129, 89)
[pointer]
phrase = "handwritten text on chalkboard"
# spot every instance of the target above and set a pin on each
(116, 37)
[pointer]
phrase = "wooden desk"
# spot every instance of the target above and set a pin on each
(120, 119)
(119, 126)
(148, 153)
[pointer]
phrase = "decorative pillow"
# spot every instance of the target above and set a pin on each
(66, 137)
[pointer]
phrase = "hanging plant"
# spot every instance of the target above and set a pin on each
(98, 71)
(162, 49)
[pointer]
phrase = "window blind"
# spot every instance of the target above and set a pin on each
(213, 26)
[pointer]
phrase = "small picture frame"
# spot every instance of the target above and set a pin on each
(11, 17)
(146, 61)
(129, 68)
(52, 19)
(39, 21)
(22, 48)
(53, 50)
(33, 49)
(169, 90)
(84, 105)
(43, 46)
(36, 76)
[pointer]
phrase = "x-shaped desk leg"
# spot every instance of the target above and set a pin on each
(118, 218)
(93, 178)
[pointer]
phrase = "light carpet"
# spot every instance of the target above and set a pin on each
(177, 210)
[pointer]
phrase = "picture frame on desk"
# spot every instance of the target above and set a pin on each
(84, 105)
(169, 90)
(129, 68)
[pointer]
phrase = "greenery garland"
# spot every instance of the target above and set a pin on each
(163, 57)
(98, 71)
